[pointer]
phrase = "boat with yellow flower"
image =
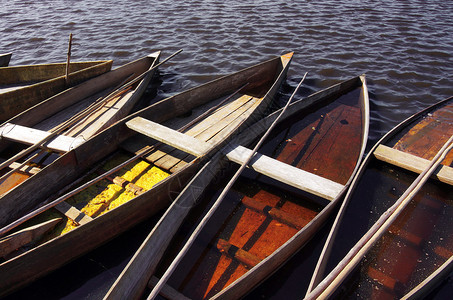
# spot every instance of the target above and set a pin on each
(131, 170)
(34, 138)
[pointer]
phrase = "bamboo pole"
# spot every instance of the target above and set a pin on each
(326, 287)
(78, 117)
(155, 291)
(143, 152)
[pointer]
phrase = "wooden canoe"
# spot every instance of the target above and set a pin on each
(111, 146)
(416, 240)
(41, 120)
(4, 59)
(21, 87)
(271, 212)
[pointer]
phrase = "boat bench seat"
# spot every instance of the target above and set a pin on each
(169, 136)
(412, 163)
(265, 165)
(31, 136)
(285, 173)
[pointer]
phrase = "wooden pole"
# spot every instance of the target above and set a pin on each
(81, 115)
(68, 60)
(155, 291)
(143, 152)
(354, 256)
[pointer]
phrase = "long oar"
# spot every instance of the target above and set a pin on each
(155, 291)
(80, 116)
(61, 127)
(143, 152)
(354, 256)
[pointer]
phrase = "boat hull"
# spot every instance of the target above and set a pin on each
(66, 170)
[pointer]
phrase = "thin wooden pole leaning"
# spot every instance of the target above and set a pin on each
(55, 131)
(81, 115)
(155, 291)
(143, 152)
(68, 60)
(326, 287)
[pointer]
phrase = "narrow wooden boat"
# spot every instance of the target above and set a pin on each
(21, 87)
(416, 238)
(234, 100)
(4, 59)
(271, 212)
(74, 115)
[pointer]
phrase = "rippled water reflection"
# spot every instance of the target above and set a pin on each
(404, 47)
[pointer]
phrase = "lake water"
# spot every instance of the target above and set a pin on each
(404, 47)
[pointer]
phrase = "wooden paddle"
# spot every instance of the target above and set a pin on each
(326, 287)
(155, 291)
(81, 115)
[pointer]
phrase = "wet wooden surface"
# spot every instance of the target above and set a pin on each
(419, 241)
(322, 144)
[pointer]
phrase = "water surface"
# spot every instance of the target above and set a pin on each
(404, 47)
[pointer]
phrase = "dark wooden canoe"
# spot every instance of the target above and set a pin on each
(271, 212)
(4, 59)
(418, 240)
(21, 87)
(29, 127)
(122, 139)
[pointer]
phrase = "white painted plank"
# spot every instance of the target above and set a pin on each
(169, 136)
(412, 163)
(287, 174)
(31, 136)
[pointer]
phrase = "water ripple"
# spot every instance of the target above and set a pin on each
(404, 47)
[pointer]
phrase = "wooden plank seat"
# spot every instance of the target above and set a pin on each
(31, 136)
(169, 136)
(412, 163)
(285, 173)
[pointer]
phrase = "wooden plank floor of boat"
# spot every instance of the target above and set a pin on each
(267, 221)
(209, 129)
(427, 137)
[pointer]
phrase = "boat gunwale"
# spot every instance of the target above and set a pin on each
(275, 260)
(118, 133)
(325, 254)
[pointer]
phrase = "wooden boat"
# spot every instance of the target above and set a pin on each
(415, 240)
(271, 212)
(4, 59)
(77, 113)
(134, 197)
(21, 87)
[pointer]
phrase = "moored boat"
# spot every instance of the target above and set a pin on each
(153, 171)
(271, 212)
(22, 87)
(4, 59)
(393, 234)
(68, 119)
